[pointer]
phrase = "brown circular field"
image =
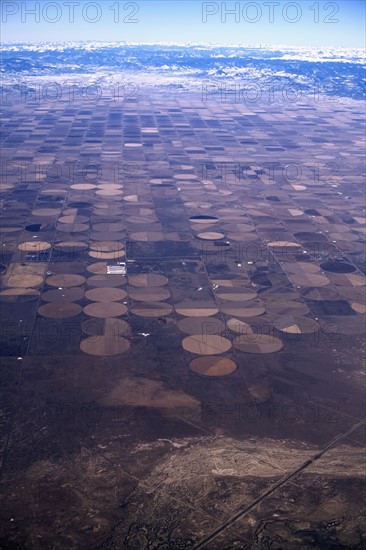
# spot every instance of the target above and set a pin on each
(72, 227)
(106, 246)
(319, 294)
(108, 227)
(99, 268)
(65, 295)
(211, 236)
(213, 366)
(359, 307)
(109, 192)
(72, 219)
(335, 325)
(243, 309)
(147, 280)
(149, 294)
(278, 245)
(300, 267)
(83, 186)
(231, 283)
(46, 212)
(105, 294)
(206, 344)
(108, 326)
(109, 186)
(97, 254)
(257, 343)
(105, 235)
(10, 228)
(201, 325)
(105, 345)
(147, 236)
(71, 247)
(244, 295)
(239, 326)
(65, 280)
(105, 309)
(24, 281)
(151, 309)
(286, 307)
(203, 219)
(309, 279)
(34, 246)
(110, 281)
(19, 295)
(59, 310)
(296, 324)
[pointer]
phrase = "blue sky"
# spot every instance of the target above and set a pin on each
(301, 23)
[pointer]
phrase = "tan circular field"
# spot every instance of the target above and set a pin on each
(105, 309)
(106, 294)
(257, 343)
(213, 366)
(105, 345)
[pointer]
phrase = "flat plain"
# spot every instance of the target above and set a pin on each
(141, 410)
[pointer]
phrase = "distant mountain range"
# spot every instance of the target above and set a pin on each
(336, 72)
